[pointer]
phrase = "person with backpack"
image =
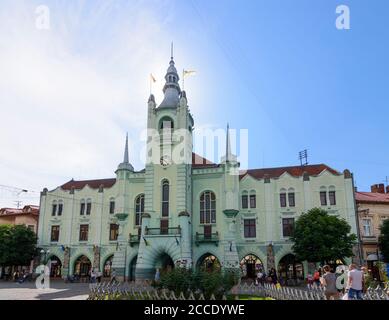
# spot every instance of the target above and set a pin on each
(328, 281)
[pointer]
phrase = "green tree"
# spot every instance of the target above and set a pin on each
(320, 237)
(383, 240)
(17, 245)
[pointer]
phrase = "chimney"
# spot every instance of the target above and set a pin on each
(378, 188)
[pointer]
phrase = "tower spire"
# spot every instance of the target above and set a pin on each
(228, 157)
(126, 165)
(228, 144)
(125, 160)
(171, 88)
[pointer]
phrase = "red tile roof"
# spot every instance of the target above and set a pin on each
(295, 171)
(30, 209)
(372, 197)
(200, 162)
(94, 184)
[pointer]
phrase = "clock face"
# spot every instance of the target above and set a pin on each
(165, 161)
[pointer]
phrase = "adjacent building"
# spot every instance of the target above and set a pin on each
(373, 209)
(191, 213)
(28, 215)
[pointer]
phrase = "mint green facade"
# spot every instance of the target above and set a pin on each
(184, 241)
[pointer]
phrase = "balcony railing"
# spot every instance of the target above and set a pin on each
(207, 238)
(133, 239)
(174, 231)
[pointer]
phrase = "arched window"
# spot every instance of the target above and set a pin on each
(82, 207)
(207, 207)
(253, 199)
(112, 205)
(88, 206)
(245, 204)
(165, 198)
(166, 123)
(54, 208)
(60, 208)
(323, 196)
(291, 197)
(332, 196)
(283, 198)
(139, 209)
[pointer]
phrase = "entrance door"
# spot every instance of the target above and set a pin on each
(55, 267)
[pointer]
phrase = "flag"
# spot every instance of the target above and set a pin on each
(152, 78)
(189, 73)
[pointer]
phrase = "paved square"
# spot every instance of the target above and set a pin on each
(58, 291)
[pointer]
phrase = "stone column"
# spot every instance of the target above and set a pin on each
(119, 259)
(231, 258)
(186, 238)
(144, 269)
(270, 257)
(66, 262)
(96, 257)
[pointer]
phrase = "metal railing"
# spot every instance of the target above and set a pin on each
(133, 239)
(207, 238)
(144, 291)
(163, 231)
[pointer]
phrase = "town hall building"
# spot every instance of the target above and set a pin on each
(191, 213)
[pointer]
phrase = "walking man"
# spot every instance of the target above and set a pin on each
(355, 283)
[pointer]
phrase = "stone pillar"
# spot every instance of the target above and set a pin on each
(231, 258)
(270, 257)
(96, 257)
(186, 239)
(144, 269)
(119, 259)
(66, 262)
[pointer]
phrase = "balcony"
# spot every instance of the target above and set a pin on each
(133, 239)
(207, 238)
(174, 231)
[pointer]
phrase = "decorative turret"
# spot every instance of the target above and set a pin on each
(229, 157)
(171, 88)
(126, 165)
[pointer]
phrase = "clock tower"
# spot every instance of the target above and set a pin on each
(166, 228)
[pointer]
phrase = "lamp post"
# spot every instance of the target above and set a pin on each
(378, 267)
(44, 255)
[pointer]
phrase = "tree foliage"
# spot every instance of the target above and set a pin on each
(207, 282)
(383, 240)
(320, 237)
(17, 245)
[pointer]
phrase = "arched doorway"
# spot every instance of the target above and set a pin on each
(250, 266)
(107, 269)
(290, 270)
(82, 266)
(208, 262)
(164, 263)
(55, 267)
(131, 273)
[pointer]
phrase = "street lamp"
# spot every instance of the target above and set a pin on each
(44, 255)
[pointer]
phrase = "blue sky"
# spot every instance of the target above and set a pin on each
(278, 68)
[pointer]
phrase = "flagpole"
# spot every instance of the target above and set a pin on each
(183, 79)
(150, 83)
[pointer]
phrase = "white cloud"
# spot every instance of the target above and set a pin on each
(68, 95)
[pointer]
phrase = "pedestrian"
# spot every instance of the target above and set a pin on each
(355, 283)
(273, 276)
(157, 275)
(309, 280)
(328, 281)
(113, 276)
(259, 277)
(93, 276)
(316, 277)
